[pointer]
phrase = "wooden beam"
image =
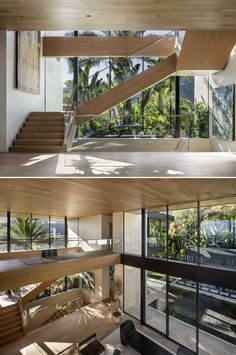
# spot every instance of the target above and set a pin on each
(90, 46)
(127, 89)
(35, 253)
(117, 15)
(203, 50)
(35, 292)
(16, 273)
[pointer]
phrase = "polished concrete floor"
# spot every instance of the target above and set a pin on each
(118, 164)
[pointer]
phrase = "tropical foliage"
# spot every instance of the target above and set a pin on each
(151, 112)
(217, 229)
(26, 231)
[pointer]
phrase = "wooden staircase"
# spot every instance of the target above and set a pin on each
(42, 132)
(127, 89)
(10, 324)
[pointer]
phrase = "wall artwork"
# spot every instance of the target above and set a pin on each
(28, 62)
(223, 112)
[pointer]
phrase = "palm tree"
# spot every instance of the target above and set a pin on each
(122, 68)
(24, 231)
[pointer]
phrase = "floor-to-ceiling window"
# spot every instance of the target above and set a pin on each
(21, 231)
(186, 274)
(3, 232)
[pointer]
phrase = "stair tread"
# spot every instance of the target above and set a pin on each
(38, 149)
(8, 339)
(10, 324)
(13, 330)
(38, 142)
(9, 314)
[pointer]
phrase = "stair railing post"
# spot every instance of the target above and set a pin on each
(22, 315)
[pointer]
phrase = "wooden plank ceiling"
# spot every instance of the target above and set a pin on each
(117, 15)
(84, 197)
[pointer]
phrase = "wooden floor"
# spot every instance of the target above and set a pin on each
(66, 332)
(118, 164)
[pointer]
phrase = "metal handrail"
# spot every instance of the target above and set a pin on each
(107, 67)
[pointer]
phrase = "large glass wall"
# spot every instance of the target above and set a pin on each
(157, 233)
(183, 233)
(218, 234)
(3, 232)
(36, 232)
(217, 319)
(22, 231)
(191, 304)
(181, 224)
(155, 308)
(132, 278)
(182, 311)
(57, 232)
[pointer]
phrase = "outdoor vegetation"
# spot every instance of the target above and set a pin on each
(151, 113)
(217, 231)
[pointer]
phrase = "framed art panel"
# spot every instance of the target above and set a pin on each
(28, 62)
(223, 112)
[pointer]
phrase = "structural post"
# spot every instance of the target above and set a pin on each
(75, 74)
(177, 107)
(143, 272)
(66, 232)
(8, 232)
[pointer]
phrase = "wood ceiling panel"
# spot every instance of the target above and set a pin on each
(85, 197)
(90, 46)
(121, 15)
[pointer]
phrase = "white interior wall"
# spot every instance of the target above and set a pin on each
(53, 79)
(90, 227)
(3, 98)
(15, 105)
(19, 103)
(73, 232)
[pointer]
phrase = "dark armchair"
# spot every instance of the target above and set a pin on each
(130, 336)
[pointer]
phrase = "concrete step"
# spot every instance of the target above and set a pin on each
(37, 149)
(40, 142)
